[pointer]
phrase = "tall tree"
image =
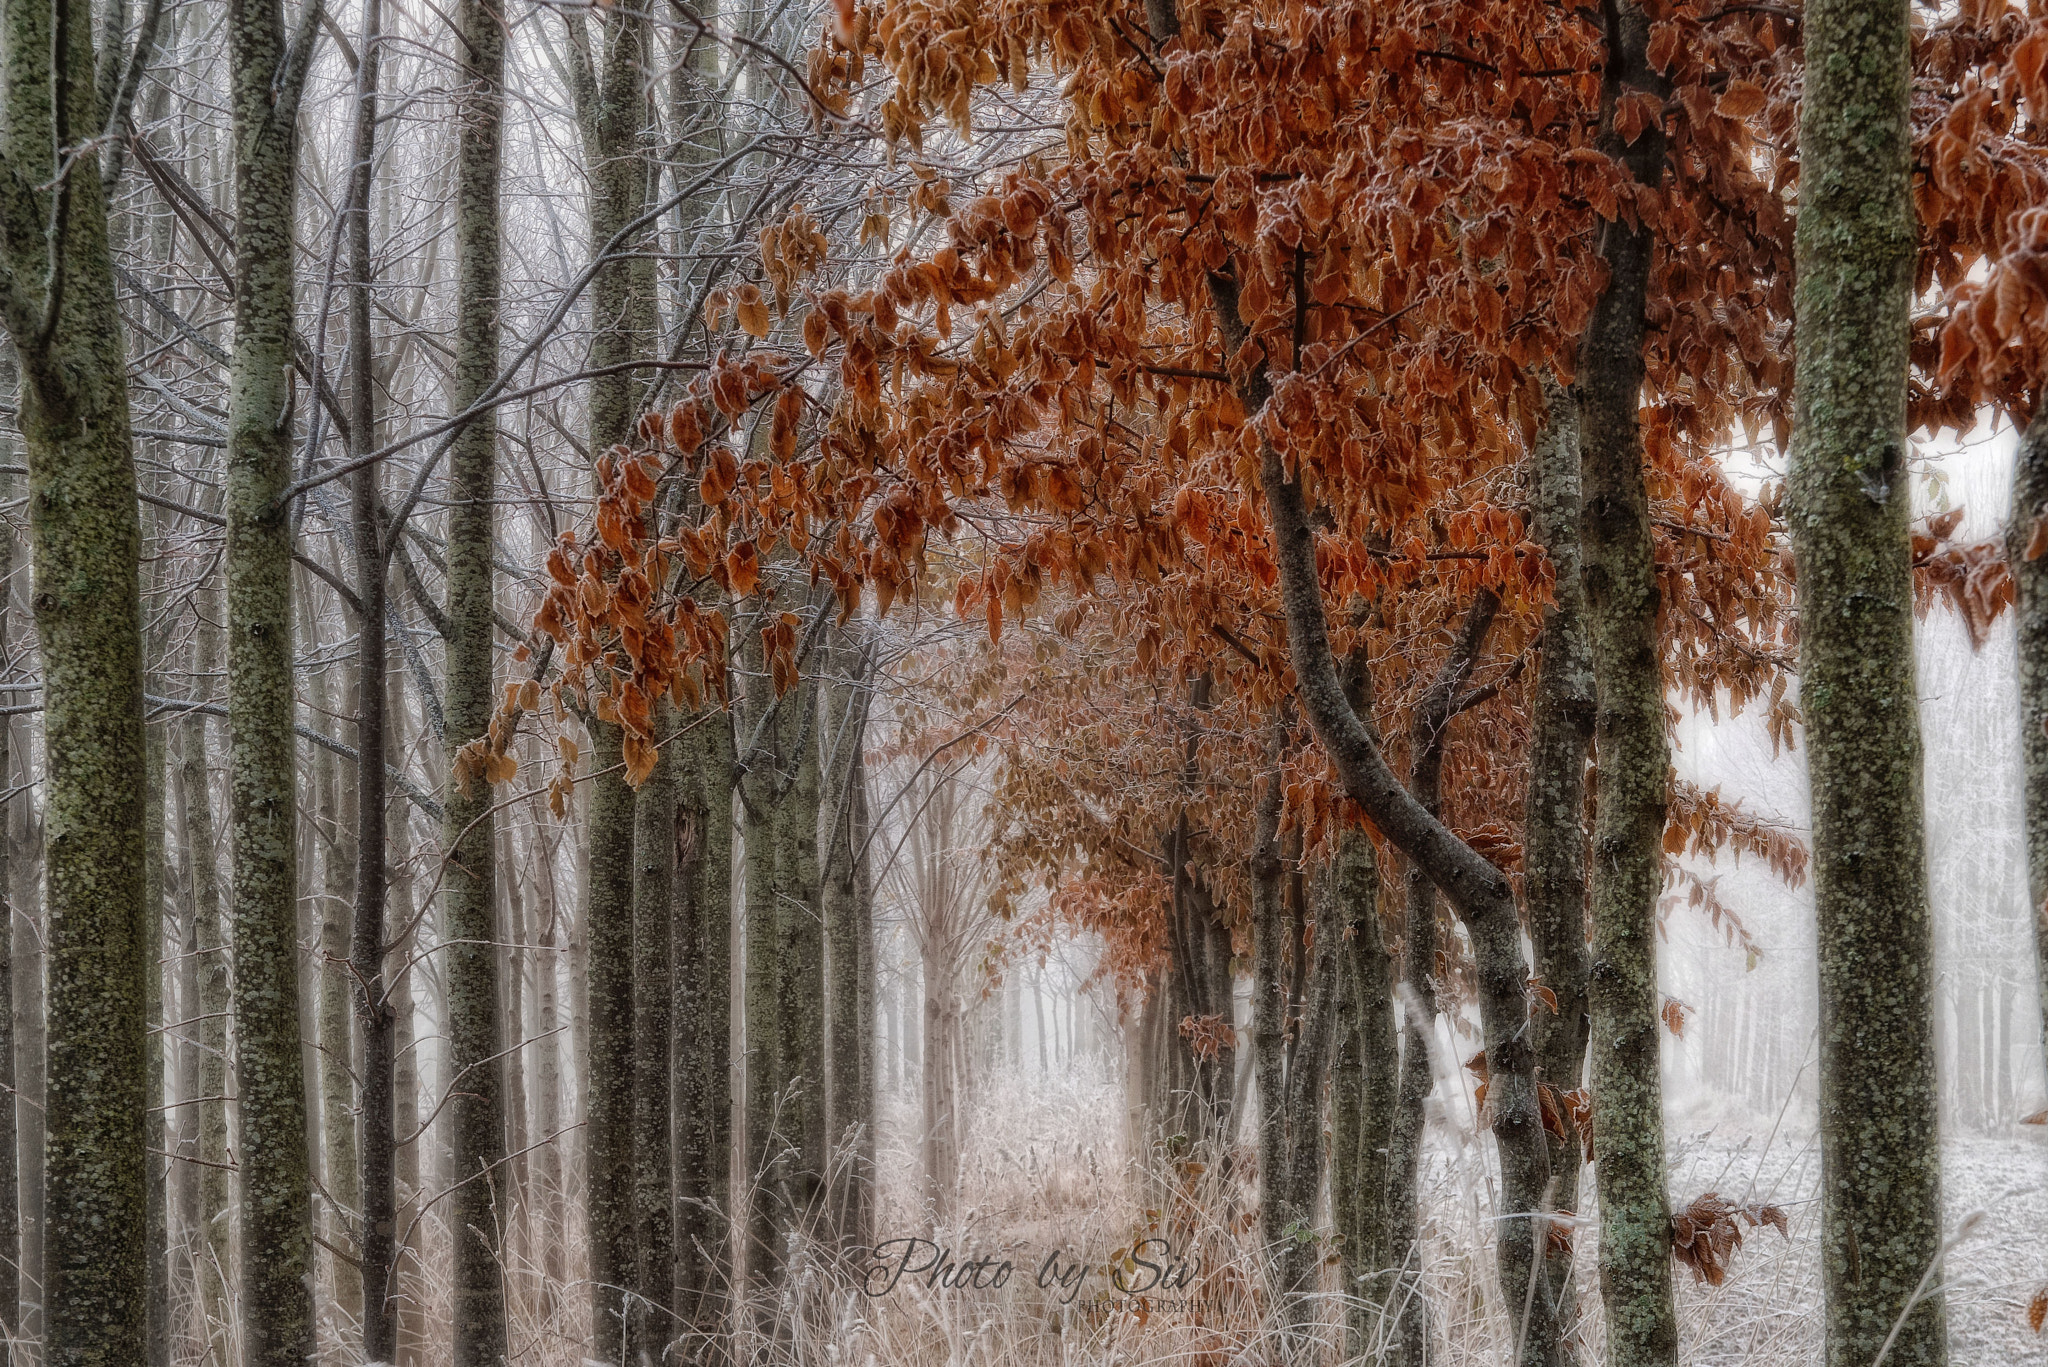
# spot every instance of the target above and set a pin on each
(846, 905)
(57, 301)
(1554, 814)
(213, 1250)
(612, 110)
(268, 77)
(476, 1114)
(1634, 768)
(1848, 508)
(702, 1088)
(365, 951)
(649, 1328)
(10, 1102)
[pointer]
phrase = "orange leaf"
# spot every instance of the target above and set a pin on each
(743, 564)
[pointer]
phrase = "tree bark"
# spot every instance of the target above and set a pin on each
(612, 111)
(335, 796)
(10, 1171)
(608, 1162)
(1364, 1079)
(276, 1254)
(650, 1325)
(703, 1021)
(86, 550)
(2030, 505)
(1554, 815)
(1849, 505)
(1634, 760)
(476, 1115)
(214, 1250)
(850, 959)
(364, 951)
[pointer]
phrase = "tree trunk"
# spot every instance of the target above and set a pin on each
(650, 1327)
(842, 732)
(336, 795)
(1634, 761)
(703, 1019)
(2029, 506)
(800, 964)
(612, 109)
(10, 1172)
(1363, 1089)
(86, 549)
(276, 1284)
(1849, 505)
(362, 958)
(150, 932)
(406, 1277)
(214, 1248)
(608, 1161)
(476, 1115)
(1554, 817)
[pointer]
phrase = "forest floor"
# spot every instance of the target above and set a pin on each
(1995, 1189)
(1045, 1171)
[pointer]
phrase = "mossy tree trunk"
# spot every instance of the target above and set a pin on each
(1554, 814)
(86, 548)
(850, 957)
(1634, 760)
(784, 1109)
(334, 795)
(608, 1141)
(1364, 1075)
(1848, 508)
(276, 1284)
(611, 95)
(702, 1086)
(362, 951)
(10, 1172)
(476, 1115)
(650, 1326)
(213, 1245)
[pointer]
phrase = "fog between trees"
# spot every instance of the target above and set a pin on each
(743, 683)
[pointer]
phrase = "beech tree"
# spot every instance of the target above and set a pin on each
(57, 301)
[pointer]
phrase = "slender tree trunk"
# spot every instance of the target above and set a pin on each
(214, 1246)
(276, 1284)
(1270, 1004)
(608, 1164)
(476, 1118)
(549, 1177)
(336, 798)
(10, 1173)
(406, 1275)
(612, 108)
(800, 969)
(1363, 1087)
(1849, 505)
(1634, 760)
(703, 1020)
(1554, 824)
(150, 934)
(843, 733)
(31, 1059)
(362, 956)
(650, 1327)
